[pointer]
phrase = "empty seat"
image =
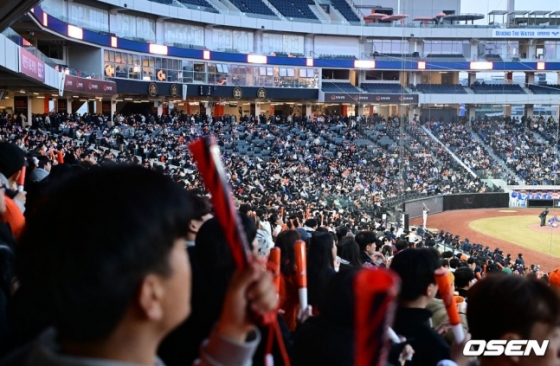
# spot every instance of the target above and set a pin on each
(545, 89)
(384, 88)
(497, 89)
(199, 3)
(337, 87)
(295, 8)
(345, 10)
(253, 7)
(441, 88)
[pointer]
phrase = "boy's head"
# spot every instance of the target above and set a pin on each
(416, 269)
(106, 253)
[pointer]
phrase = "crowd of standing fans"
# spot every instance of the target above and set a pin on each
(105, 262)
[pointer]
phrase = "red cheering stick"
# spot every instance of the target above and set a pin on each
(21, 179)
(207, 156)
(60, 157)
(301, 272)
(375, 292)
(274, 266)
(444, 285)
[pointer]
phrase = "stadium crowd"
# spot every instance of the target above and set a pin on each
(533, 159)
(105, 262)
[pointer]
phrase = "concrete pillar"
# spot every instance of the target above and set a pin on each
(208, 109)
(507, 110)
(532, 50)
(529, 110)
(208, 37)
(99, 106)
(308, 46)
(411, 111)
(413, 78)
(159, 105)
(472, 78)
(412, 45)
(471, 112)
(69, 105)
(474, 50)
(258, 42)
(529, 78)
(360, 109)
(29, 111)
(257, 108)
(506, 80)
(113, 106)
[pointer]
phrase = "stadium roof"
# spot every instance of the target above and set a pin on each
(539, 12)
(464, 17)
(520, 12)
(498, 12)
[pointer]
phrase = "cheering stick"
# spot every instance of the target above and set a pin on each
(21, 179)
(301, 272)
(207, 156)
(274, 266)
(375, 291)
(444, 285)
(60, 157)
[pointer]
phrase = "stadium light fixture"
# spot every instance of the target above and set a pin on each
(114, 42)
(45, 19)
(158, 49)
(206, 55)
(481, 65)
(75, 32)
(541, 65)
(364, 64)
(309, 62)
(257, 59)
(421, 65)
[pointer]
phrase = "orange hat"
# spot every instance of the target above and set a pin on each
(554, 278)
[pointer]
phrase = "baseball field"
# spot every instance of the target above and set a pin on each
(513, 230)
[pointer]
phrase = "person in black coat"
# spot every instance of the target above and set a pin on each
(328, 339)
(416, 269)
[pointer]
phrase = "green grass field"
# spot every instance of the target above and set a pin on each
(514, 229)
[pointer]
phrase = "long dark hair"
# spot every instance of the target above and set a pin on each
(285, 241)
(320, 266)
(350, 250)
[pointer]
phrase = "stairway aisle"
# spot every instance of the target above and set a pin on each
(494, 156)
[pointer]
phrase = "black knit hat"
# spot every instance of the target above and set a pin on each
(12, 159)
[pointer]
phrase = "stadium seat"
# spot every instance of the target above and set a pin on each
(441, 89)
(497, 89)
(253, 7)
(337, 87)
(295, 8)
(383, 88)
(345, 10)
(201, 3)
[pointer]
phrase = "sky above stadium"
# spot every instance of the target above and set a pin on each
(486, 6)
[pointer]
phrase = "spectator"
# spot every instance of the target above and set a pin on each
(137, 286)
(416, 269)
(501, 301)
(463, 279)
(349, 251)
(366, 240)
(320, 267)
(203, 212)
(12, 159)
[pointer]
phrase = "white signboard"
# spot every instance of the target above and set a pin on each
(526, 33)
